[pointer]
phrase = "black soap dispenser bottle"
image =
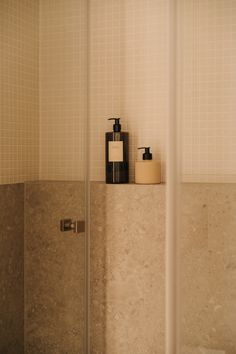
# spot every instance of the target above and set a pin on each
(117, 154)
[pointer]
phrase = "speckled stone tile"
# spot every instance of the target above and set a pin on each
(54, 269)
(128, 269)
(208, 266)
(11, 269)
(193, 265)
(98, 268)
(222, 269)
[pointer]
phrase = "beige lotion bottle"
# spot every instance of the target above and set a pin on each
(147, 171)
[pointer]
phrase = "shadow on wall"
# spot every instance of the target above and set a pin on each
(42, 270)
(12, 269)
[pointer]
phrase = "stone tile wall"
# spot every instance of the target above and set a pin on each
(208, 266)
(127, 268)
(12, 269)
(54, 269)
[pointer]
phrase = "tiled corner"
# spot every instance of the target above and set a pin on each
(19, 109)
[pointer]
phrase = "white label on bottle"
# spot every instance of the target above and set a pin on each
(115, 151)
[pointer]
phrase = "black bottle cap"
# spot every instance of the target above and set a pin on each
(117, 125)
(147, 155)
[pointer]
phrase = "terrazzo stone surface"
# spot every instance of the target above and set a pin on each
(54, 269)
(201, 350)
(208, 266)
(127, 269)
(11, 269)
(98, 268)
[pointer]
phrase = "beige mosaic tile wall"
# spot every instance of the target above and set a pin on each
(208, 105)
(63, 88)
(128, 78)
(19, 106)
(128, 75)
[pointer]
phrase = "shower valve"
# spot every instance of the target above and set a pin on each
(70, 225)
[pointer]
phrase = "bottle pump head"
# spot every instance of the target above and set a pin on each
(117, 125)
(147, 155)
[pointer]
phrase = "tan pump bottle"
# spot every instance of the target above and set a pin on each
(147, 171)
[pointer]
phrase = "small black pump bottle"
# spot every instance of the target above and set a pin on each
(117, 154)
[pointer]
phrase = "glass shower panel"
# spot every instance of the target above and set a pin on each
(55, 271)
(43, 150)
(207, 202)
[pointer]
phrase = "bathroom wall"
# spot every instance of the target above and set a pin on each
(54, 269)
(44, 62)
(128, 76)
(12, 269)
(19, 157)
(63, 89)
(207, 90)
(208, 266)
(206, 93)
(42, 282)
(128, 70)
(128, 51)
(19, 108)
(44, 76)
(127, 269)
(128, 55)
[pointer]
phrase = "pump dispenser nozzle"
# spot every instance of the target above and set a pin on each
(147, 155)
(117, 125)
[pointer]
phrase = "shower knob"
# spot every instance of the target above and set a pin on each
(76, 226)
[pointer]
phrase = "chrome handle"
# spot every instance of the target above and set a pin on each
(70, 225)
